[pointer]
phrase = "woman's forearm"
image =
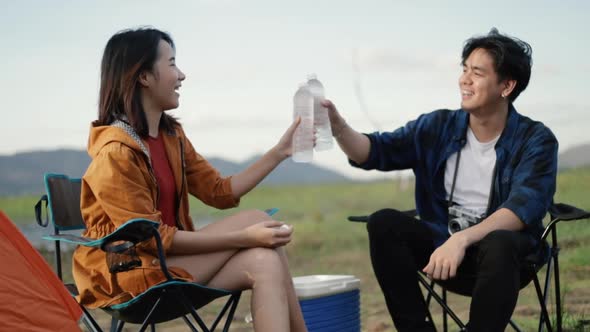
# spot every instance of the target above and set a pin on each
(246, 180)
(185, 242)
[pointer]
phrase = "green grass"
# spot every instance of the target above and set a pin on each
(19, 208)
(325, 243)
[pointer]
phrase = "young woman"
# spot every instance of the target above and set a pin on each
(144, 166)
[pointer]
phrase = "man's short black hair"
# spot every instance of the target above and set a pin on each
(512, 57)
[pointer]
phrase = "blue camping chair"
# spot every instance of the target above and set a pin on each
(160, 303)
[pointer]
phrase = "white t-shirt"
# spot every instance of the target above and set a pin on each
(474, 176)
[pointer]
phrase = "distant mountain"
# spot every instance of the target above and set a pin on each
(22, 173)
(291, 172)
(576, 156)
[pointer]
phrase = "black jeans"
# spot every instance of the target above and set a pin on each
(491, 272)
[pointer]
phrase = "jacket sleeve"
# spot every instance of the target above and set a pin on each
(115, 190)
(205, 182)
(394, 150)
(534, 179)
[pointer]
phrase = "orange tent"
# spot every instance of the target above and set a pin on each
(32, 298)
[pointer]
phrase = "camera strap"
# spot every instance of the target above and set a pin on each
(450, 203)
(454, 178)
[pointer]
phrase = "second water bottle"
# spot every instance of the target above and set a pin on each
(321, 118)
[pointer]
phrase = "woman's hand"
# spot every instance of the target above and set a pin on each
(246, 180)
(269, 234)
(285, 145)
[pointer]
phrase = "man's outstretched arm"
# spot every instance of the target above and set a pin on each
(355, 145)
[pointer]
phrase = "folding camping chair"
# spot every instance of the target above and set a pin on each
(160, 303)
(546, 255)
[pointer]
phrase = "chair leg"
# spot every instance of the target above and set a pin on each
(147, 319)
(427, 301)
(88, 321)
(514, 326)
(192, 311)
(120, 327)
(541, 296)
(114, 324)
(58, 257)
(190, 325)
(429, 296)
(440, 301)
(444, 312)
(220, 315)
(232, 311)
(543, 317)
(556, 278)
(428, 314)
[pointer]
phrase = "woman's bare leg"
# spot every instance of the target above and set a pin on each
(237, 221)
(259, 269)
(204, 267)
(295, 315)
(246, 219)
(263, 270)
(215, 260)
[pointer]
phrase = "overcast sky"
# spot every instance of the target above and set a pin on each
(245, 59)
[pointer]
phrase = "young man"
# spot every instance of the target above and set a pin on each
(484, 157)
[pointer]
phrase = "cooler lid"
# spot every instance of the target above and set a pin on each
(321, 285)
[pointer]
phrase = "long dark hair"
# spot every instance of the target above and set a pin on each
(127, 54)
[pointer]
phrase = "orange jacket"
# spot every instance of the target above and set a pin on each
(119, 185)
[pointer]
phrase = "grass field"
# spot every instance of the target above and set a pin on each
(325, 243)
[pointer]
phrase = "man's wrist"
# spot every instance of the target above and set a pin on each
(340, 129)
(462, 238)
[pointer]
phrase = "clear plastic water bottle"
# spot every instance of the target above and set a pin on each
(303, 137)
(321, 119)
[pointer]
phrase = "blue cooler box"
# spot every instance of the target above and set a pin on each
(329, 303)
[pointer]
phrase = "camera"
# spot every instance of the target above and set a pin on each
(461, 218)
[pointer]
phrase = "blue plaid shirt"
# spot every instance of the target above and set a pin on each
(525, 173)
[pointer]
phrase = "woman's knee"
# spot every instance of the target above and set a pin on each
(254, 214)
(264, 263)
(251, 217)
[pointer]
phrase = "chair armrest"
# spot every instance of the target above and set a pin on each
(70, 238)
(410, 213)
(271, 211)
(131, 232)
(567, 212)
(563, 212)
(135, 230)
(358, 218)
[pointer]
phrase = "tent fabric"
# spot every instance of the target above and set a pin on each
(32, 296)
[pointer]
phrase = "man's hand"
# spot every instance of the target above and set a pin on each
(445, 260)
(337, 122)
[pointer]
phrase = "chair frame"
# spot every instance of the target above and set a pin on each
(558, 212)
(136, 230)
